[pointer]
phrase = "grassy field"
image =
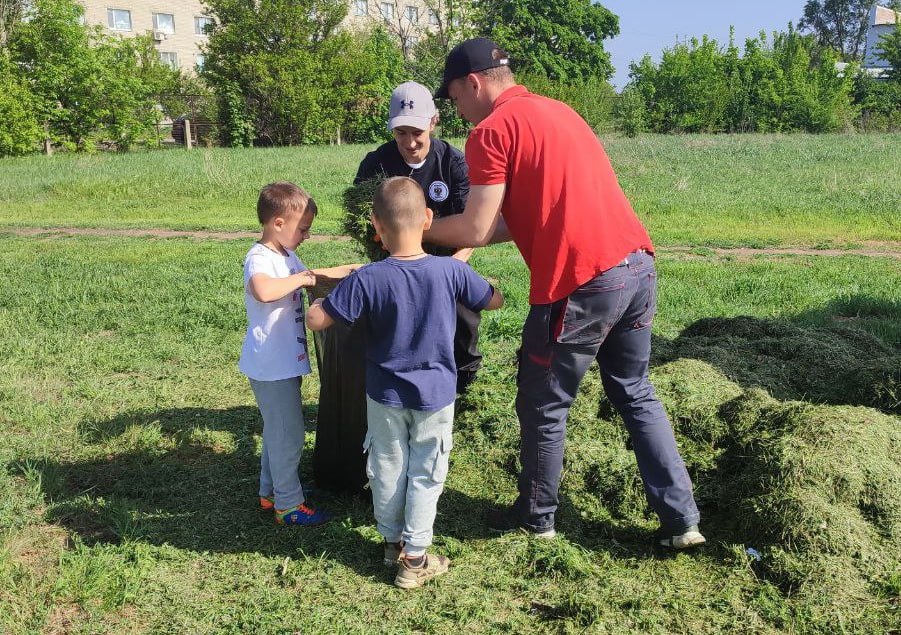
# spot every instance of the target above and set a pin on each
(725, 190)
(130, 447)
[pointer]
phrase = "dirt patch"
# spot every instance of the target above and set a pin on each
(886, 249)
(65, 619)
(872, 249)
(144, 233)
(37, 547)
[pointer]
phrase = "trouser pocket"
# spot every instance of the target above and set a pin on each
(442, 457)
(587, 315)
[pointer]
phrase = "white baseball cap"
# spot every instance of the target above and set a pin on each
(411, 105)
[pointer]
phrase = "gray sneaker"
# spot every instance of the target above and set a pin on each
(392, 553)
(691, 537)
(409, 577)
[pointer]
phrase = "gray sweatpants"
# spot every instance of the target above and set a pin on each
(283, 436)
(407, 464)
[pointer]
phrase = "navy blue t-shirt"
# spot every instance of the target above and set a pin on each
(410, 311)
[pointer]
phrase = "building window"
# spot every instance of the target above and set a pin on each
(412, 14)
(118, 19)
(164, 22)
(409, 42)
(387, 9)
(455, 20)
(433, 18)
(169, 59)
(361, 7)
(199, 61)
(203, 25)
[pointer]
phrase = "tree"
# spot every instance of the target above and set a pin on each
(11, 11)
(838, 24)
(286, 74)
(20, 132)
(87, 87)
(560, 39)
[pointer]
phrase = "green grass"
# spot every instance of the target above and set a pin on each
(130, 446)
(751, 190)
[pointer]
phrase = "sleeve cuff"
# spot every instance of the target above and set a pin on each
(333, 313)
(481, 305)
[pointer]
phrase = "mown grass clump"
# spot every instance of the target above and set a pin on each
(831, 364)
(356, 221)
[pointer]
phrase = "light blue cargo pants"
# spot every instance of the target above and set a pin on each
(407, 464)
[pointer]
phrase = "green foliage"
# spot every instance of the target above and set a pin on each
(840, 25)
(562, 40)
(785, 85)
(426, 66)
(879, 103)
(592, 98)
(630, 112)
(87, 87)
(302, 80)
(357, 221)
(19, 132)
(379, 67)
(237, 124)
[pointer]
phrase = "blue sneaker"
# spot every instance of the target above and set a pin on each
(301, 515)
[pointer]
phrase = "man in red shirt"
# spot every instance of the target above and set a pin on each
(540, 177)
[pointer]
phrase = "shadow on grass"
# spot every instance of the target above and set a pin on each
(193, 488)
(188, 489)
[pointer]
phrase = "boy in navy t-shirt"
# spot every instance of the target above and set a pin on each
(408, 302)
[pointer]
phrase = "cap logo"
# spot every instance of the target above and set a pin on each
(438, 191)
(406, 104)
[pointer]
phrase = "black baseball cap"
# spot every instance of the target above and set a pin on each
(471, 56)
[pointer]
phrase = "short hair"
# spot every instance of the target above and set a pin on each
(498, 74)
(399, 204)
(282, 198)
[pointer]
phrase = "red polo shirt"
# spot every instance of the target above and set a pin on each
(563, 205)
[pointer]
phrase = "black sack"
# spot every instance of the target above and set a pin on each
(339, 464)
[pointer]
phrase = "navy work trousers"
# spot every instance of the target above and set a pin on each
(607, 319)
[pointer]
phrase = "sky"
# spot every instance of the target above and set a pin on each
(649, 26)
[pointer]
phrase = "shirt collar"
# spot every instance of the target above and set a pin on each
(514, 91)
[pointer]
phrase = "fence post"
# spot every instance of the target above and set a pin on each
(188, 144)
(48, 145)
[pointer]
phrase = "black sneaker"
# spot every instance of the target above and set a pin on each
(505, 519)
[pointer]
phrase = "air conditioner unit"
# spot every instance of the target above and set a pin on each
(159, 36)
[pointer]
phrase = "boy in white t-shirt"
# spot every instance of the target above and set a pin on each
(274, 356)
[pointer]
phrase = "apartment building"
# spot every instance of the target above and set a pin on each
(179, 27)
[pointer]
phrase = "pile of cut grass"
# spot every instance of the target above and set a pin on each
(814, 486)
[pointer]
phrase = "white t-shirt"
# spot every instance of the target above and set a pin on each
(275, 346)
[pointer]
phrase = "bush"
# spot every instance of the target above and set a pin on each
(630, 112)
(87, 87)
(19, 130)
(592, 98)
(879, 103)
(786, 85)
